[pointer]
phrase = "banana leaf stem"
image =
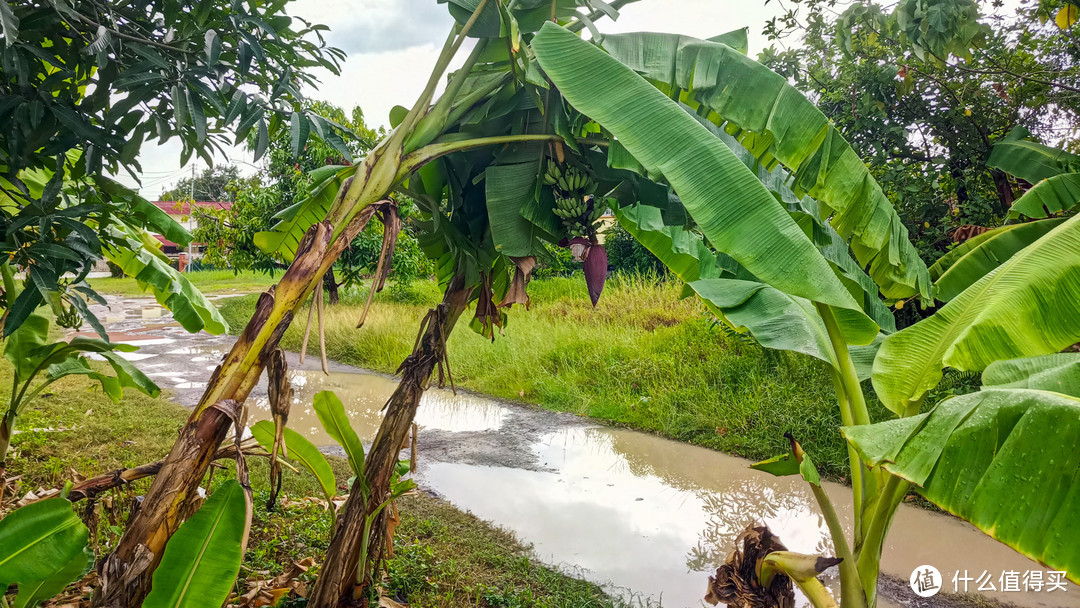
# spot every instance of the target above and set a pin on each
(851, 593)
(430, 152)
(869, 555)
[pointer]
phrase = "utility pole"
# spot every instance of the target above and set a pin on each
(191, 209)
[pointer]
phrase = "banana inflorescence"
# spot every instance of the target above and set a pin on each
(574, 202)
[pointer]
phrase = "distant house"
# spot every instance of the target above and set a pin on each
(181, 212)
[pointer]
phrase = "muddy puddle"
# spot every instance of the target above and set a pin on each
(646, 517)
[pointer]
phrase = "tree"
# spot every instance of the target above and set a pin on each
(84, 84)
(212, 184)
(927, 119)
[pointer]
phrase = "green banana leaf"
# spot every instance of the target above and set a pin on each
(735, 211)
(202, 559)
(510, 189)
(174, 291)
(1052, 195)
(1026, 306)
(299, 449)
(1059, 372)
(1003, 459)
(975, 257)
(777, 123)
(148, 214)
(293, 221)
(39, 539)
(32, 594)
(778, 320)
(680, 250)
(332, 415)
(1029, 160)
(736, 39)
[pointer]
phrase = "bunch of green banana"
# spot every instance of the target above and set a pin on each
(69, 318)
(568, 180)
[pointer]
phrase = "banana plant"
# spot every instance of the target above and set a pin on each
(42, 549)
(752, 266)
(37, 364)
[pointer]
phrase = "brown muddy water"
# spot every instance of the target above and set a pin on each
(646, 517)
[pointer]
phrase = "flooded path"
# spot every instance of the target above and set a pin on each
(644, 516)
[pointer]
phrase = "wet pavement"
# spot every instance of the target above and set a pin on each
(646, 517)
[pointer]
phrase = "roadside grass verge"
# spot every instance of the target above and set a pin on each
(642, 358)
(208, 281)
(443, 557)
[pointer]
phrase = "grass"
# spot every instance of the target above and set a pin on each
(642, 358)
(208, 281)
(443, 557)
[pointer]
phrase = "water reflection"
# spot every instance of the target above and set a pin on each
(364, 396)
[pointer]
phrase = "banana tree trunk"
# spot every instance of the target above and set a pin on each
(331, 286)
(337, 583)
(126, 574)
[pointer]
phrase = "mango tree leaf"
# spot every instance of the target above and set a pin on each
(32, 594)
(1052, 195)
(1026, 306)
(1059, 372)
(1003, 459)
(39, 539)
(778, 123)
(778, 320)
(301, 450)
(293, 221)
(201, 560)
(332, 415)
(975, 257)
(735, 212)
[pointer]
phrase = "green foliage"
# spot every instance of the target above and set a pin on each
(626, 254)
(38, 540)
(212, 184)
(202, 559)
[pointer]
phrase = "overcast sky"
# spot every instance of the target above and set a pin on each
(392, 46)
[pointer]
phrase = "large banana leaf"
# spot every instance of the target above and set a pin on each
(39, 539)
(1059, 372)
(777, 123)
(975, 257)
(778, 320)
(284, 237)
(1052, 195)
(1029, 160)
(1027, 306)
(301, 450)
(332, 415)
(174, 291)
(200, 563)
(510, 189)
(32, 594)
(735, 212)
(680, 250)
(1003, 459)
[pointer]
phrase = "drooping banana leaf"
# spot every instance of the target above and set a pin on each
(147, 214)
(777, 123)
(510, 189)
(972, 259)
(1003, 459)
(201, 560)
(734, 211)
(284, 236)
(1028, 160)
(1052, 195)
(38, 539)
(174, 291)
(1027, 306)
(778, 320)
(331, 413)
(680, 250)
(736, 39)
(300, 450)
(1059, 372)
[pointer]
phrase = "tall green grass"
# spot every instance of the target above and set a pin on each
(642, 358)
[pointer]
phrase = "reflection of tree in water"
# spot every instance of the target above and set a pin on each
(746, 500)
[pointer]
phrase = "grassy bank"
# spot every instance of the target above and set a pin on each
(642, 358)
(208, 281)
(443, 557)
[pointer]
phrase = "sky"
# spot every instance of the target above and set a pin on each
(392, 46)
